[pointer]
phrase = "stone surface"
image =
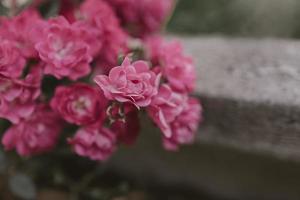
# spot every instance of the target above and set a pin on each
(250, 92)
(254, 70)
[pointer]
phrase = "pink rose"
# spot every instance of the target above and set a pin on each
(142, 16)
(134, 83)
(11, 61)
(177, 68)
(98, 15)
(17, 97)
(79, 103)
(126, 128)
(37, 134)
(25, 30)
(97, 143)
(9, 88)
(13, 106)
(91, 36)
(184, 127)
(165, 107)
(64, 50)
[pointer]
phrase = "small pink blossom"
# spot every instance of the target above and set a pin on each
(133, 83)
(11, 61)
(177, 68)
(184, 127)
(79, 103)
(142, 17)
(165, 107)
(96, 143)
(37, 134)
(13, 106)
(126, 128)
(64, 50)
(91, 36)
(99, 17)
(17, 97)
(25, 30)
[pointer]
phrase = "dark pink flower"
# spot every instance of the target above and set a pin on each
(36, 3)
(91, 36)
(37, 134)
(185, 125)
(68, 9)
(64, 50)
(97, 143)
(165, 107)
(98, 15)
(25, 30)
(142, 17)
(177, 68)
(128, 127)
(134, 83)
(13, 106)
(79, 103)
(17, 97)
(11, 61)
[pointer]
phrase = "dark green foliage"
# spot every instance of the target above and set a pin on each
(258, 18)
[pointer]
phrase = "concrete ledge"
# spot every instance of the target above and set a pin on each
(251, 126)
(255, 70)
(251, 92)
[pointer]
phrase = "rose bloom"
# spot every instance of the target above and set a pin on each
(165, 107)
(64, 50)
(11, 108)
(11, 61)
(94, 142)
(126, 128)
(37, 134)
(142, 17)
(185, 125)
(17, 97)
(91, 36)
(177, 68)
(134, 83)
(25, 29)
(80, 103)
(98, 15)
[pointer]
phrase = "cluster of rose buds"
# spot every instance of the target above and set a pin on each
(81, 69)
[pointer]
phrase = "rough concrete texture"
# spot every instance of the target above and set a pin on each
(251, 92)
(256, 70)
(259, 127)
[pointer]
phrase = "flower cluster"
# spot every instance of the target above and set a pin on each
(80, 69)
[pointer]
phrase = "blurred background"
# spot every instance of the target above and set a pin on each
(247, 18)
(210, 169)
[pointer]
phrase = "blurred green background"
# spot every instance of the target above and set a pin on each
(258, 18)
